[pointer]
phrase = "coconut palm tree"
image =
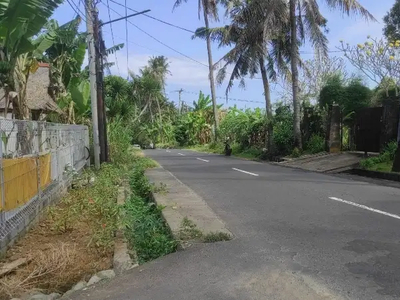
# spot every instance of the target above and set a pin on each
(158, 66)
(210, 10)
(256, 46)
(309, 24)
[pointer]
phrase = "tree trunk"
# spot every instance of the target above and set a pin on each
(396, 162)
(268, 106)
(295, 75)
(211, 75)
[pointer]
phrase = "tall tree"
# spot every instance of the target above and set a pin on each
(210, 10)
(256, 46)
(309, 24)
(158, 66)
(392, 23)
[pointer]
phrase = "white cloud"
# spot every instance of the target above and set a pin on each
(184, 72)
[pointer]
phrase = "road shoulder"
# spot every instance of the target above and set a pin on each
(179, 202)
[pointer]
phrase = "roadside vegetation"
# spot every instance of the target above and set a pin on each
(146, 231)
(75, 237)
(190, 233)
(383, 162)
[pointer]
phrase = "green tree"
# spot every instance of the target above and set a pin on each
(158, 66)
(392, 22)
(309, 24)
(210, 10)
(332, 92)
(255, 48)
(118, 97)
(357, 96)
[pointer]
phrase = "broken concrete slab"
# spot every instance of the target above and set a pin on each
(180, 202)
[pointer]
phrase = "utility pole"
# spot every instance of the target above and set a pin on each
(92, 77)
(102, 118)
(96, 51)
(179, 106)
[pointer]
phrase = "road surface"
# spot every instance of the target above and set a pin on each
(298, 235)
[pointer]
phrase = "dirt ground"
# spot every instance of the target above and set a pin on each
(56, 260)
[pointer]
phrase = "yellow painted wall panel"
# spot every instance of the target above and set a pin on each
(21, 179)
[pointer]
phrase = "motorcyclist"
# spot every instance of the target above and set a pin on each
(228, 149)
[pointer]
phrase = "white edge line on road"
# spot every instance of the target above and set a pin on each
(168, 151)
(205, 160)
(181, 154)
(249, 173)
(366, 207)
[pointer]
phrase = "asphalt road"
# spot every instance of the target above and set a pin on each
(298, 235)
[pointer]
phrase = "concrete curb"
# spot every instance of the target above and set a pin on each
(181, 202)
(375, 174)
(122, 260)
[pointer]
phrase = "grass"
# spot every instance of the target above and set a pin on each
(382, 167)
(213, 237)
(146, 230)
(383, 162)
(73, 240)
(250, 153)
(190, 232)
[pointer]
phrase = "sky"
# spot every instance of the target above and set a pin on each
(153, 38)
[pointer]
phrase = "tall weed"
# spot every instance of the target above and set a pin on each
(145, 228)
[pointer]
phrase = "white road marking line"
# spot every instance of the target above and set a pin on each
(253, 174)
(205, 160)
(168, 151)
(366, 207)
(181, 154)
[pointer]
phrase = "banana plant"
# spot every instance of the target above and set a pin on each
(20, 21)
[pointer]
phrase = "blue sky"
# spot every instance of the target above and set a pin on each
(187, 74)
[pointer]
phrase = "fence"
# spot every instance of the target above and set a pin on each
(37, 160)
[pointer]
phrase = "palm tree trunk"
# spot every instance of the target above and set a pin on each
(295, 75)
(211, 75)
(268, 106)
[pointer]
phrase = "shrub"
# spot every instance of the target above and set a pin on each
(296, 152)
(145, 230)
(283, 130)
(315, 144)
(119, 141)
(387, 155)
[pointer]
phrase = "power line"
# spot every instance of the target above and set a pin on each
(162, 43)
(223, 98)
(112, 36)
(76, 9)
(154, 18)
(136, 44)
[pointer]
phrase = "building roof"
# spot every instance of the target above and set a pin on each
(37, 94)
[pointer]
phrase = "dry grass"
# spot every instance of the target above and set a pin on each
(58, 261)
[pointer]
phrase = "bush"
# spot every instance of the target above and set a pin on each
(316, 144)
(146, 230)
(386, 156)
(283, 130)
(119, 137)
(296, 152)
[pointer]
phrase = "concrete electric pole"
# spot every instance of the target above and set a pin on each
(96, 51)
(92, 77)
